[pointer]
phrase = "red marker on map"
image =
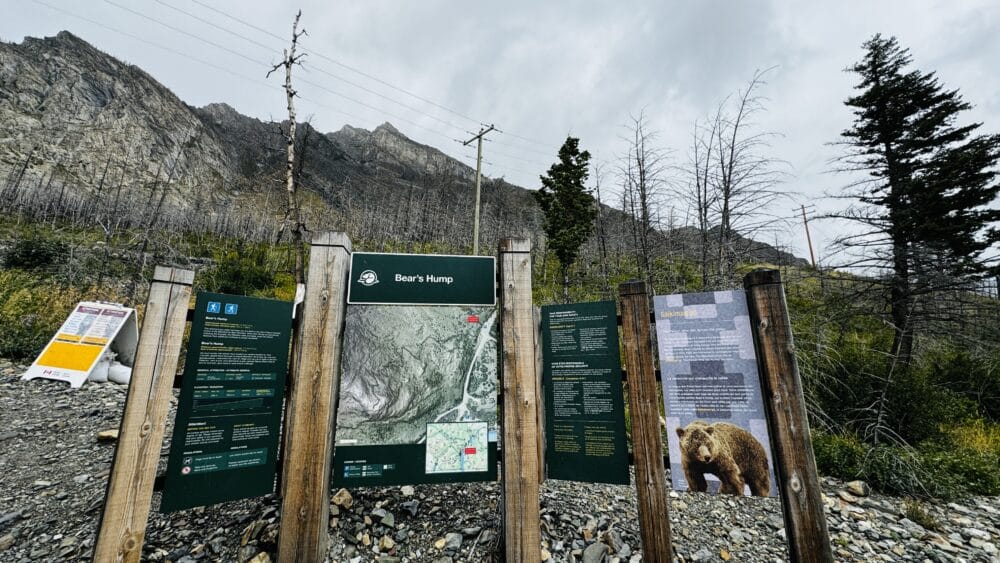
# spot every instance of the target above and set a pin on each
(473, 318)
(470, 451)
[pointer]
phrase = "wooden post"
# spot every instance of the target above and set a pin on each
(520, 423)
(140, 435)
(644, 404)
(309, 427)
(795, 465)
(539, 396)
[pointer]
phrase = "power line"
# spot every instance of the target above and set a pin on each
(203, 62)
(523, 149)
(380, 111)
(181, 31)
(257, 62)
(343, 65)
(219, 27)
(355, 70)
(317, 68)
(539, 143)
(152, 44)
(371, 107)
(528, 160)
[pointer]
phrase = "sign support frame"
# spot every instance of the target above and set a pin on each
(521, 509)
(312, 403)
(784, 405)
(129, 493)
(644, 401)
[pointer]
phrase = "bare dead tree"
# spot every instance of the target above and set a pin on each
(701, 195)
(293, 214)
(745, 180)
(642, 172)
(601, 228)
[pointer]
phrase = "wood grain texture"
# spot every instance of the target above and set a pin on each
(309, 427)
(795, 465)
(520, 408)
(644, 406)
(140, 435)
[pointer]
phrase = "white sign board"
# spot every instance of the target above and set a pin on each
(83, 338)
(716, 429)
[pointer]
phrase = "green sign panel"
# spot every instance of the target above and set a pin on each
(418, 390)
(581, 381)
(228, 425)
(421, 279)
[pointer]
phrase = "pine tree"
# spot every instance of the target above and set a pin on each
(924, 200)
(567, 206)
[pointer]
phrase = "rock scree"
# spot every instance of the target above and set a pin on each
(54, 470)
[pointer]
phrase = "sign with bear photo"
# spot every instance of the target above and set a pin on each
(716, 428)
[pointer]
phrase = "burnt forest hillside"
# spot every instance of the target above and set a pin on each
(86, 135)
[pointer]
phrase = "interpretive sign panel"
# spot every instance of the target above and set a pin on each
(716, 427)
(84, 336)
(582, 383)
(228, 426)
(418, 391)
(421, 279)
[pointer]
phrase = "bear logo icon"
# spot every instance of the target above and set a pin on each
(368, 278)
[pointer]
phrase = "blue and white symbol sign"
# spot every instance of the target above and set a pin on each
(231, 308)
(214, 307)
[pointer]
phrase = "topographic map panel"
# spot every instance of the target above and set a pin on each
(405, 367)
(456, 447)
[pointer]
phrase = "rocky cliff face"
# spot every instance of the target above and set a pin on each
(386, 147)
(66, 108)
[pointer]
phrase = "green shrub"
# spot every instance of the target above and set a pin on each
(838, 455)
(34, 252)
(960, 471)
(965, 458)
(917, 511)
(33, 308)
(962, 461)
(241, 272)
(899, 470)
(971, 373)
(889, 469)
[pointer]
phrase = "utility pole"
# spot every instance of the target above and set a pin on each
(479, 177)
(805, 222)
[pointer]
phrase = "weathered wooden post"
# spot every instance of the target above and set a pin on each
(520, 415)
(647, 445)
(795, 465)
(140, 435)
(309, 427)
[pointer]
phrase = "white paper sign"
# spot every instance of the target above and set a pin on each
(83, 338)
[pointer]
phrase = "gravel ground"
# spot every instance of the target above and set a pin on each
(54, 469)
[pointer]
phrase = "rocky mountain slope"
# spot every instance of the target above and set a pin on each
(68, 107)
(75, 119)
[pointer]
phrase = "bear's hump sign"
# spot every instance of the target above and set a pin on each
(716, 428)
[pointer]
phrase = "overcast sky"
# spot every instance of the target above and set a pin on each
(542, 70)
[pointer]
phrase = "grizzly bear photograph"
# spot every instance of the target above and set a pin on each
(727, 451)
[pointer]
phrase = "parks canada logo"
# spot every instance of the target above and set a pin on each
(368, 278)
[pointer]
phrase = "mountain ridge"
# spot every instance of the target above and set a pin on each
(74, 118)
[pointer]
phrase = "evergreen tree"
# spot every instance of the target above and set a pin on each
(568, 206)
(927, 185)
